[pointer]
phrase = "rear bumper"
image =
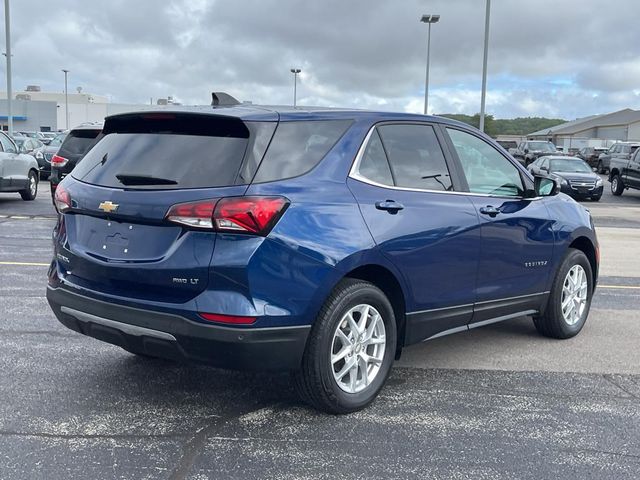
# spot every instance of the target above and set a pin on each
(174, 337)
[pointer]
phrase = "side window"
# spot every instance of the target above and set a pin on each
(486, 170)
(545, 163)
(415, 157)
(374, 164)
(7, 145)
(615, 149)
(625, 149)
(297, 147)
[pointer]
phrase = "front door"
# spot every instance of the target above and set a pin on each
(517, 237)
(407, 197)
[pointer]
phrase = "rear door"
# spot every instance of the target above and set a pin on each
(407, 195)
(633, 171)
(116, 238)
(13, 172)
(517, 237)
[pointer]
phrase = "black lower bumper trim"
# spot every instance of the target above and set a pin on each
(174, 337)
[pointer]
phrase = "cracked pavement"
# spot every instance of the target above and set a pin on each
(496, 402)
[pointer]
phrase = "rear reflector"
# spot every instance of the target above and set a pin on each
(254, 215)
(62, 199)
(228, 319)
(58, 161)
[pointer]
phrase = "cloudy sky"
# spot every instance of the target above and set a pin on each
(560, 58)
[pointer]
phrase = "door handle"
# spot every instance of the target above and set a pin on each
(390, 206)
(490, 210)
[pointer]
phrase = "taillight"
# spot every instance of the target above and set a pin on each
(248, 214)
(228, 319)
(255, 215)
(62, 199)
(58, 161)
(193, 214)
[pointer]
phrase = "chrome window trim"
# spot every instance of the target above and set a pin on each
(355, 174)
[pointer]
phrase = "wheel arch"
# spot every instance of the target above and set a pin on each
(386, 280)
(586, 246)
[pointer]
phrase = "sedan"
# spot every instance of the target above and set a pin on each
(575, 177)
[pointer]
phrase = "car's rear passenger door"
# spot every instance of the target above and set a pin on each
(407, 194)
(517, 236)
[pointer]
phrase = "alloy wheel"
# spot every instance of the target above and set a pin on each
(574, 295)
(357, 348)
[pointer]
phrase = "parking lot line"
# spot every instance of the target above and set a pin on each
(25, 264)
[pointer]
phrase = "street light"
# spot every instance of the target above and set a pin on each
(295, 72)
(66, 99)
(428, 19)
(484, 65)
(7, 25)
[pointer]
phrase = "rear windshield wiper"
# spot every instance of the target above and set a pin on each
(133, 179)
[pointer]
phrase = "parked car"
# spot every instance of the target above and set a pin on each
(77, 142)
(320, 242)
(507, 144)
(27, 144)
(591, 155)
(530, 150)
(621, 151)
(576, 178)
(625, 174)
(45, 153)
(46, 137)
(18, 171)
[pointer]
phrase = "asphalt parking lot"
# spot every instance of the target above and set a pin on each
(496, 402)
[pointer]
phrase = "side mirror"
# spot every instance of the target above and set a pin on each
(544, 169)
(526, 150)
(545, 186)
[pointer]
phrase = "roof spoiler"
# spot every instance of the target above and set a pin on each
(221, 99)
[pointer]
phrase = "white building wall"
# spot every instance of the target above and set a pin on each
(634, 131)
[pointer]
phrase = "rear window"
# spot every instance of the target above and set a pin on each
(162, 160)
(299, 146)
(78, 142)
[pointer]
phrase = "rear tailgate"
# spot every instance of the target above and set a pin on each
(114, 239)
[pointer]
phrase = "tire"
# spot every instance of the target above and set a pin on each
(317, 381)
(601, 168)
(31, 191)
(555, 322)
(617, 187)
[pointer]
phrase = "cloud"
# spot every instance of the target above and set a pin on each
(546, 57)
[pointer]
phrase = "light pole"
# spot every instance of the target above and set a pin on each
(66, 99)
(295, 72)
(428, 19)
(7, 26)
(484, 65)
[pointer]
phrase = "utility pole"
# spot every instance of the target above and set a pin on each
(295, 72)
(7, 26)
(484, 65)
(428, 19)
(66, 99)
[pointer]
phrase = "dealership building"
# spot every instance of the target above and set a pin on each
(594, 131)
(35, 110)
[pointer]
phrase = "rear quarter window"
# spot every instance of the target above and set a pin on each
(298, 146)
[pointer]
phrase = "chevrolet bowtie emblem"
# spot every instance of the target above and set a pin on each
(108, 207)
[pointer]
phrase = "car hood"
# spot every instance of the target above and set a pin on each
(48, 149)
(577, 176)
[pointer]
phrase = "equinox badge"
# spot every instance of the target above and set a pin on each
(108, 207)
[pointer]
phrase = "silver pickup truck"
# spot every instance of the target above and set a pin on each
(18, 171)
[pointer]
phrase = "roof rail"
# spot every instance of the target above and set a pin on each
(221, 99)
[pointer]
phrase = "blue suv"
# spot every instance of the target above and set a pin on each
(321, 242)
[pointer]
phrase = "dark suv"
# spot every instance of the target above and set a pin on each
(530, 150)
(321, 242)
(75, 145)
